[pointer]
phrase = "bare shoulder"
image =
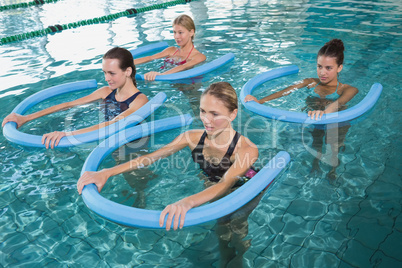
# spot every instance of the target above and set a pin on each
(103, 91)
(348, 89)
(195, 133)
(193, 136)
(170, 50)
(198, 56)
(247, 146)
(139, 101)
(142, 98)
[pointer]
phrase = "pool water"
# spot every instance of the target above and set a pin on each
(305, 219)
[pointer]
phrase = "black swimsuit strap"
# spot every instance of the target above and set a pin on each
(202, 140)
(232, 145)
(112, 96)
(112, 107)
(230, 150)
(132, 98)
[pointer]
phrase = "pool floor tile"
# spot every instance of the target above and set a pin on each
(393, 245)
(356, 254)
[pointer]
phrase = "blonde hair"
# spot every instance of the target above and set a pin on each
(224, 92)
(185, 21)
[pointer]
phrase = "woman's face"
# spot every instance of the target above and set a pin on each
(327, 69)
(114, 76)
(181, 35)
(215, 116)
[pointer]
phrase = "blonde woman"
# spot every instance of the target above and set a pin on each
(178, 59)
(224, 155)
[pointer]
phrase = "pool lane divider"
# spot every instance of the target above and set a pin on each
(144, 218)
(197, 71)
(298, 117)
(27, 4)
(104, 19)
(12, 134)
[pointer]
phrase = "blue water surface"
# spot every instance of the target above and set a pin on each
(350, 218)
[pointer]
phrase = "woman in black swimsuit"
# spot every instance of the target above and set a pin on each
(221, 152)
(121, 97)
(224, 155)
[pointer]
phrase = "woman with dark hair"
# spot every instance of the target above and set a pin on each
(328, 95)
(121, 98)
(178, 59)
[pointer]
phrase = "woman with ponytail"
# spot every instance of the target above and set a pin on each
(328, 95)
(120, 99)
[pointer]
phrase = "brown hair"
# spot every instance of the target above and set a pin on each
(224, 92)
(334, 49)
(125, 60)
(185, 21)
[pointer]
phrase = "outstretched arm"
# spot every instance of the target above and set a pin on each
(22, 119)
(139, 101)
(52, 139)
(283, 92)
(163, 54)
(244, 158)
(99, 178)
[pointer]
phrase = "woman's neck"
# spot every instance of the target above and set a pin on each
(331, 84)
(187, 47)
(128, 88)
(222, 138)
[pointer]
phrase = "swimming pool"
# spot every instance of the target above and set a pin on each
(302, 221)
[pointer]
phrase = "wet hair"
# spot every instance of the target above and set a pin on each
(125, 60)
(334, 49)
(185, 21)
(224, 92)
